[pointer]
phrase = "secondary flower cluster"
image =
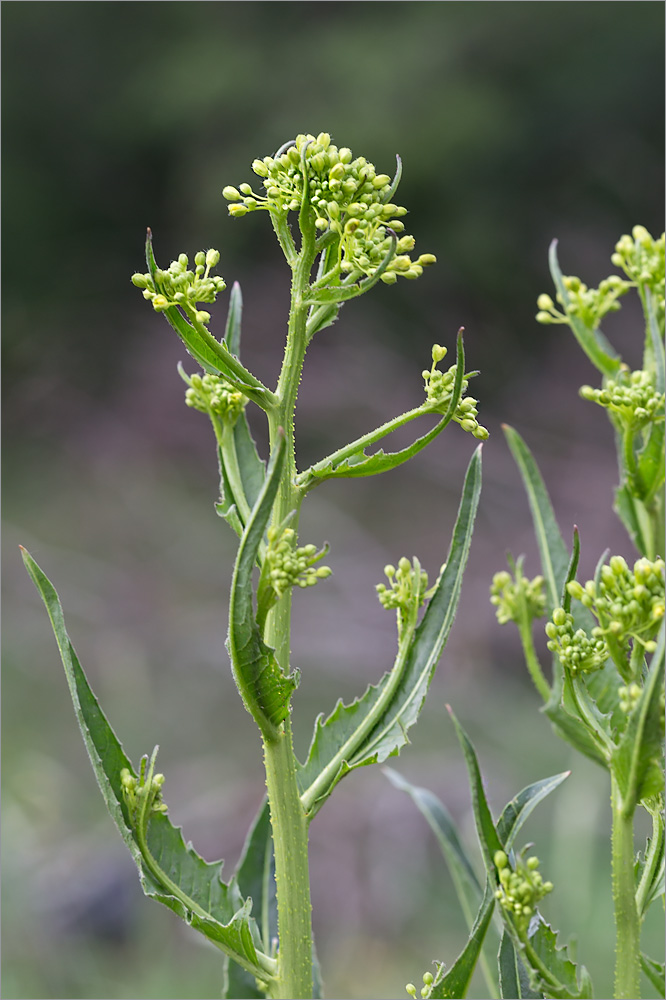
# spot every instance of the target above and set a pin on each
(520, 890)
(349, 199)
(439, 389)
(578, 653)
(179, 286)
(628, 604)
(632, 396)
(408, 585)
(642, 259)
(517, 599)
(137, 790)
(426, 990)
(289, 566)
(213, 394)
(588, 304)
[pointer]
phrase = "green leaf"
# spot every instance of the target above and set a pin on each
(592, 341)
(654, 972)
(453, 985)
(232, 330)
(555, 972)
(352, 461)
(556, 566)
(656, 343)
(193, 888)
(636, 762)
(513, 977)
(651, 463)
(485, 827)
(375, 726)
(626, 508)
(264, 688)
(521, 807)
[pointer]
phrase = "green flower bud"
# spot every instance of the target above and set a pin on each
(140, 280)
(231, 193)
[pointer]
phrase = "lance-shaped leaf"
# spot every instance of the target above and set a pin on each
(375, 726)
(637, 760)
(552, 971)
(205, 349)
(514, 979)
(655, 973)
(264, 688)
(556, 563)
(352, 461)
(593, 342)
(455, 982)
(174, 874)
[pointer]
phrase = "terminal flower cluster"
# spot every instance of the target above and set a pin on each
(578, 653)
(628, 604)
(631, 397)
(408, 586)
(179, 286)
(212, 394)
(143, 795)
(349, 199)
(521, 889)
(517, 598)
(439, 387)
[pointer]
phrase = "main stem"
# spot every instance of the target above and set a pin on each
(288, 819)
(627, 921)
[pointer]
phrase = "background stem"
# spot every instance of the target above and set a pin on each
(627, 923)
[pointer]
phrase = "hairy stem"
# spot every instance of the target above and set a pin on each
(627, 922)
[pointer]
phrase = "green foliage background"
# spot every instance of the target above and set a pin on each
(516, 122)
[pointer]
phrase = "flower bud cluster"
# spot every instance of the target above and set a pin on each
(137, 790)
(213, 394)
(632, 396)
(439, 388)
(348, 198)
(289, 566)
(642, 259)
(628, 697)
(578, 653)
(426, 989)
(520, 890)
(179, 286)
(588, 304)
(628, 604)
(408, 585)
(517, 598)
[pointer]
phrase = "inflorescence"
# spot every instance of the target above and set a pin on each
(349, 200)
(212, 394)
(289, 566)
(520, 889)
(179, 286)
(439, 388)
(516, 598)
(631, 397)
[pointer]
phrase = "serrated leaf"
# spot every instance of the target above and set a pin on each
(264, 688)
(602, 355)
(655, 973)
(513, 977)
(375, 726)
(636, 761)
(559, 977)
(217, 909)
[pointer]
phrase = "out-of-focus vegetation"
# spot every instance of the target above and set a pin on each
(516, 123)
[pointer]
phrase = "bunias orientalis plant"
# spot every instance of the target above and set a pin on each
(606, 696)
(341, 234)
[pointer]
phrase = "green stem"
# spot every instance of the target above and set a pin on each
(627, 922)
(288, 818)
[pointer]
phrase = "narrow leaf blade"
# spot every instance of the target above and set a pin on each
(513, 977)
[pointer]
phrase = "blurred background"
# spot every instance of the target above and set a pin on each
(516, 123)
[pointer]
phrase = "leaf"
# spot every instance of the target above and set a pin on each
(375, 726)
(656, 342)
(519, 808)
(555, 563)
(485, 828)
(626, 508)
(636, 761)
(651, 463)
(232, 330)
(592, 341)
(655, 973)
(264, 688)
(513, 977)
(559, 976)
(454, 984)
(217, 909)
